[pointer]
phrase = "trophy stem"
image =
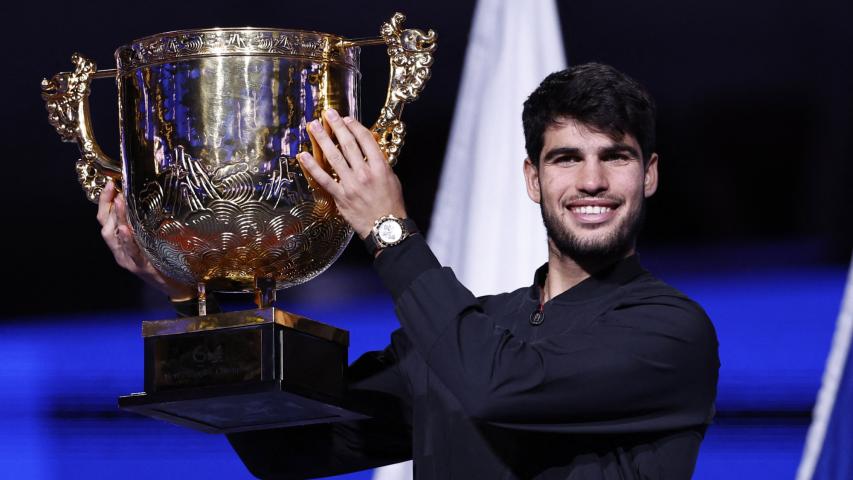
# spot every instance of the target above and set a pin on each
(264, 292)
(202, 299)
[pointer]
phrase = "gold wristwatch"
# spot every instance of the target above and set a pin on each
(389, 231)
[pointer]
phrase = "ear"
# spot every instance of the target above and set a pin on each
(531, 180)
(650, 180)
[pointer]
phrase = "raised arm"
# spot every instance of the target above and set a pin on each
(649, 363)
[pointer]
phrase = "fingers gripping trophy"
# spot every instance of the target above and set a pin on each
(211, 123)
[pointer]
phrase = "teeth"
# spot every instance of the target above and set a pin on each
(591, 210)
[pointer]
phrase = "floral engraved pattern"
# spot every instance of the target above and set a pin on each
(178, 45)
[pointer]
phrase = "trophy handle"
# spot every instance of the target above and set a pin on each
(410, 59)
(66, 97)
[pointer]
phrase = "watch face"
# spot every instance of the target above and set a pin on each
(390, 231)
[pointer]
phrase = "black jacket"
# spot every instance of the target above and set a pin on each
(617, 382)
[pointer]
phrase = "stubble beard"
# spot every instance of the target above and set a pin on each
(614, 245)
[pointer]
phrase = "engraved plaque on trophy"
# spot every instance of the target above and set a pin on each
(211, 121)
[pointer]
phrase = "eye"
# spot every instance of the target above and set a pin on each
(617, 158)
(566, 160)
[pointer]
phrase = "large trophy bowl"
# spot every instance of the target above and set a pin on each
(211, 121)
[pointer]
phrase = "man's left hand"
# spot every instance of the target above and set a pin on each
(367, 187)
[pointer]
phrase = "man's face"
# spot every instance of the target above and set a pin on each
(591, 190)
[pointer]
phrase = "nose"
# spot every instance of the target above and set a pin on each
(592, 177)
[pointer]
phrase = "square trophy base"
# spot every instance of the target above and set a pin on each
(246, 370)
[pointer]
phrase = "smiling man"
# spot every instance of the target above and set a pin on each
(597, 370)
(590, 136)
(591, 189)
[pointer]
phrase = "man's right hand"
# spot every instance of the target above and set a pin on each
(118, 235)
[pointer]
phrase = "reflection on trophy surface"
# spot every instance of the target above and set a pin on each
(211, 121)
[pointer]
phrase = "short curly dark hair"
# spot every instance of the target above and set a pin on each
(596, 95)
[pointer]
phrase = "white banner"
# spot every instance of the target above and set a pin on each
(484, 226)
(828, 445)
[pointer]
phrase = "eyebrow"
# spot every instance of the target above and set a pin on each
(560, 151)
(619, 148)
(609, 150)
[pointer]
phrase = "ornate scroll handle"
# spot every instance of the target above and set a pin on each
(410, 53)
(66, 97)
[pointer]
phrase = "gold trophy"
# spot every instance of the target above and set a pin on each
(211, 121)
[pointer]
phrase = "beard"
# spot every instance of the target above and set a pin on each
(614, 244)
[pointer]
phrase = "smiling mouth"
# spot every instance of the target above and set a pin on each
(593, 214)
(591, 210)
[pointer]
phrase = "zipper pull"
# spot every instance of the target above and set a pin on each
(538, 316)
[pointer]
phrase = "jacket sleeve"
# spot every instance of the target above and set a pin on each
(649, 364)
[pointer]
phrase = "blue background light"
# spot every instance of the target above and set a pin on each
(60, 379)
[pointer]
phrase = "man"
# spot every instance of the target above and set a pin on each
(596, 371)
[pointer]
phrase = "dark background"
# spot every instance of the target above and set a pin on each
(752, 218)
(754, 126)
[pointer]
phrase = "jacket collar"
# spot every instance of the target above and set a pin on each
(602, 282)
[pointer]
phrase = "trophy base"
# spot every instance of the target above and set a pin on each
(239, 371)
(236, 408)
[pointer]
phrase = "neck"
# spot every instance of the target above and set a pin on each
(564, 272)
